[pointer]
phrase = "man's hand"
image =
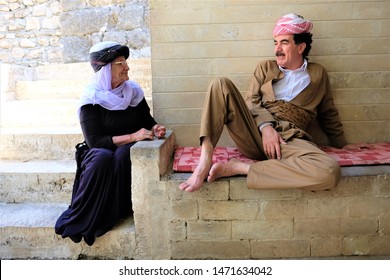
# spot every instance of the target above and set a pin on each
(271, 142)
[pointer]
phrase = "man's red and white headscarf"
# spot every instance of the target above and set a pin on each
(292, 24)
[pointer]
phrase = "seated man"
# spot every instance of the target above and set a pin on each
(284, 97)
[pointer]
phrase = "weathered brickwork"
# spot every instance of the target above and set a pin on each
(227, 220)
(40, 32)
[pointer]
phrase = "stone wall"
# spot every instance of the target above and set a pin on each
(226, 220)
(40, 32)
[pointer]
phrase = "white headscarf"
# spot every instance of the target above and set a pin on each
(99, 92)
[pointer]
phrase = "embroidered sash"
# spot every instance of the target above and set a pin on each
(285, 111)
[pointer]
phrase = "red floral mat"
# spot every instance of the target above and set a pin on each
(187, 158)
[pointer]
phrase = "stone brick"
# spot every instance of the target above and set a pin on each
(364, 112)
(353, 186)
(284, 209)
(213, 48)
(184, 210)
(177, 230)
(239, 190)
(32, 23)
(228, 210)
(381, 184)
(39, 10)
(366, 245)
(384, 226)
(367, 132)
(186, 135)
(92, 20)
(209, 230)
(75, 48)
(51, 23)
(327, 207)
(42, 243)
(26, 2)
(71, 5)
(360, 96)
(358, 226)
(174, 100)
(218, 190)
(178, 115)
(326, 247)
(135, 21)
(18, 53)
(16, 25)
(316, 228)
(260, 229)
(36, 187)
(266, 249)
(210, 250)
(356, 79)
(369, 207)
(366, 62)
(27, 43)
(339, 46)
(56, 8)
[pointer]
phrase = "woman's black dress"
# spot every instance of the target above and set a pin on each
(102, 188)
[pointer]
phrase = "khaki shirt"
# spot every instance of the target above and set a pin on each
(316, 98)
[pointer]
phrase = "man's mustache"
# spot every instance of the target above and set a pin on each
(279, 54)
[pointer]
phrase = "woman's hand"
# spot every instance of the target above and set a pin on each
(142, 134)
(159, 131)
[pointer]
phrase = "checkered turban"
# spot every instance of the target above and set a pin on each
(292, 24)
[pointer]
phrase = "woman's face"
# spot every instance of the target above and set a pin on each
(119, 71)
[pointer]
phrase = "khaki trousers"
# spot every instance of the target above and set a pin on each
(303, 164)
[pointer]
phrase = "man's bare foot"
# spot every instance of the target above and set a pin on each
(196, 180)
(231, 168)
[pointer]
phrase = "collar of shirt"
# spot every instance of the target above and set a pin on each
(300, 69)
(293, 82)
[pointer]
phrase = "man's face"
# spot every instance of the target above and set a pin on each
(288, 54)
(119, 71)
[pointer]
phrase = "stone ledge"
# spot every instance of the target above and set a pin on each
(346, 171)
(345, 222)
(27, 232)
(368, 170)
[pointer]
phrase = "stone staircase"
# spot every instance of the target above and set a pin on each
(38, 132)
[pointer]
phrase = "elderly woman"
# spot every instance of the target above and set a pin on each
(113, 115)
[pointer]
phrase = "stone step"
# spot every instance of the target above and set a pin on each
(45, 143)
(44, 181)
(56, 89)
(68, 71)
(39, 113)
(140, 71)
(140, 67)
(50, 89)
(27, 232)
(43, 112)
